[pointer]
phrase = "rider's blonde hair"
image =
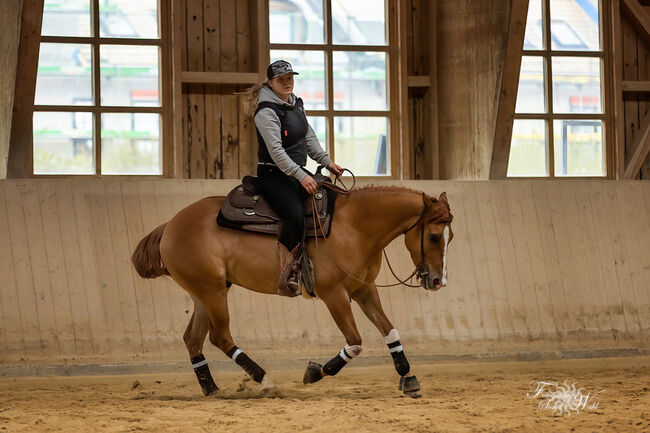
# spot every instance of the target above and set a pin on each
(250, 98)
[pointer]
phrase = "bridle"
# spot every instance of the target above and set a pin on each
(421, 270)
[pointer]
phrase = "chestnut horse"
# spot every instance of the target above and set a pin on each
(205, 259)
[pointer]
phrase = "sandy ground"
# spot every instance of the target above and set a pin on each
(457, 397)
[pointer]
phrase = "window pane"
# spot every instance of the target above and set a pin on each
(319, 125)
(361, 145)
(131, 143)
(296, 22)
(63, 143)
(578, 148)
(528, 148)
(360, 81)
(128, 19)
(534, 38)
(129, 75)
(576, 85)
(530, 96)
(310, 84)
(64, 75)
(575, 25)
(66, 18)
(359, 22)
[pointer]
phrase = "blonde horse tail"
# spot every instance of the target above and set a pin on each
(146, 257)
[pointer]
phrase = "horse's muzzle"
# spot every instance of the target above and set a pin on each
(427, 281)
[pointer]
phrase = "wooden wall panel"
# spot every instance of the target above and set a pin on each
(218, 141)
(636, 67)
(535, 266)
(213, 113)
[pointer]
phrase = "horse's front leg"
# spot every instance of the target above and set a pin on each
(368, 299)
(338, 303)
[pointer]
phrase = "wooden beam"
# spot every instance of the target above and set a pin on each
(22, 137)
(432, 152)
(260, 36)
(167, 89)
(639, 16)
(406, 154)
(419, 81)
(617, 92)
(177, 43)
(507, 95)
(635, 86)
(641, 146)
(219, 77)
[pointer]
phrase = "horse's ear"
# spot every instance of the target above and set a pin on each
(428, 203)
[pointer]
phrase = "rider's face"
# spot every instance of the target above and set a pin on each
(282, 85)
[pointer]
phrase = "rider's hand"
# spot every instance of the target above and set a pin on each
(335, 169)
(309, 184)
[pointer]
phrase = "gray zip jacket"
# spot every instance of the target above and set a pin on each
(268, 124)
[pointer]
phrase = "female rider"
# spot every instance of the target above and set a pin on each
(285, 139)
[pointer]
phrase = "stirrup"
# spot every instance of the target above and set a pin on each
(288, 283)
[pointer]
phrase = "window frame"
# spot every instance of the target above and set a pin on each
(97, 109)
(329, 113)
(547, 54)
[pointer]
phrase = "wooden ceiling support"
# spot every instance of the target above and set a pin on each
(21, 143)
(639, 15)
(641, 146)
(507, 95)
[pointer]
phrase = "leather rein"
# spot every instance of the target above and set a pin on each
(420, 269)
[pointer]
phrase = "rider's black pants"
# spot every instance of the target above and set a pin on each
(286, 196)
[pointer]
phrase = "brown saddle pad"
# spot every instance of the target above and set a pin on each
(245, 209)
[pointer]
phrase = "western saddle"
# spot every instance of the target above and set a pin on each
(246, 209)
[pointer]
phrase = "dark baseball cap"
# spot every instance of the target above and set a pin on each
(279, 68)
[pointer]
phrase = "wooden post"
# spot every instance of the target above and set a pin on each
(507, 95)
(10, 13)
(432, 151)
(19, 163)
(178, 41)
(398, 44)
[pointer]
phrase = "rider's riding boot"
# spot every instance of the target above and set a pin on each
(288, 282)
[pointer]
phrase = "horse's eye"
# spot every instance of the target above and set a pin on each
(434, 237)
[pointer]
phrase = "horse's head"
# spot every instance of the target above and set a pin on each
(428, 241)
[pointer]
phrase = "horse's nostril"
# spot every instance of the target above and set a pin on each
(436, 281)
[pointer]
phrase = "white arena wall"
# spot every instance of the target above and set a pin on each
(536, 269)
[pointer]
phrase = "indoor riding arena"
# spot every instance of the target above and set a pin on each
(473, 257)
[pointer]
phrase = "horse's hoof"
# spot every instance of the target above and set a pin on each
(208, 387)
(313, 373)
(410, 386)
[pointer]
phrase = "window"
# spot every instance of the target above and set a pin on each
(340, 48)
(559, 117)
(98, 102)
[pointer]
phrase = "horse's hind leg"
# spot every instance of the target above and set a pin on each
(216, 304)
(368, 299)
(194, 337)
